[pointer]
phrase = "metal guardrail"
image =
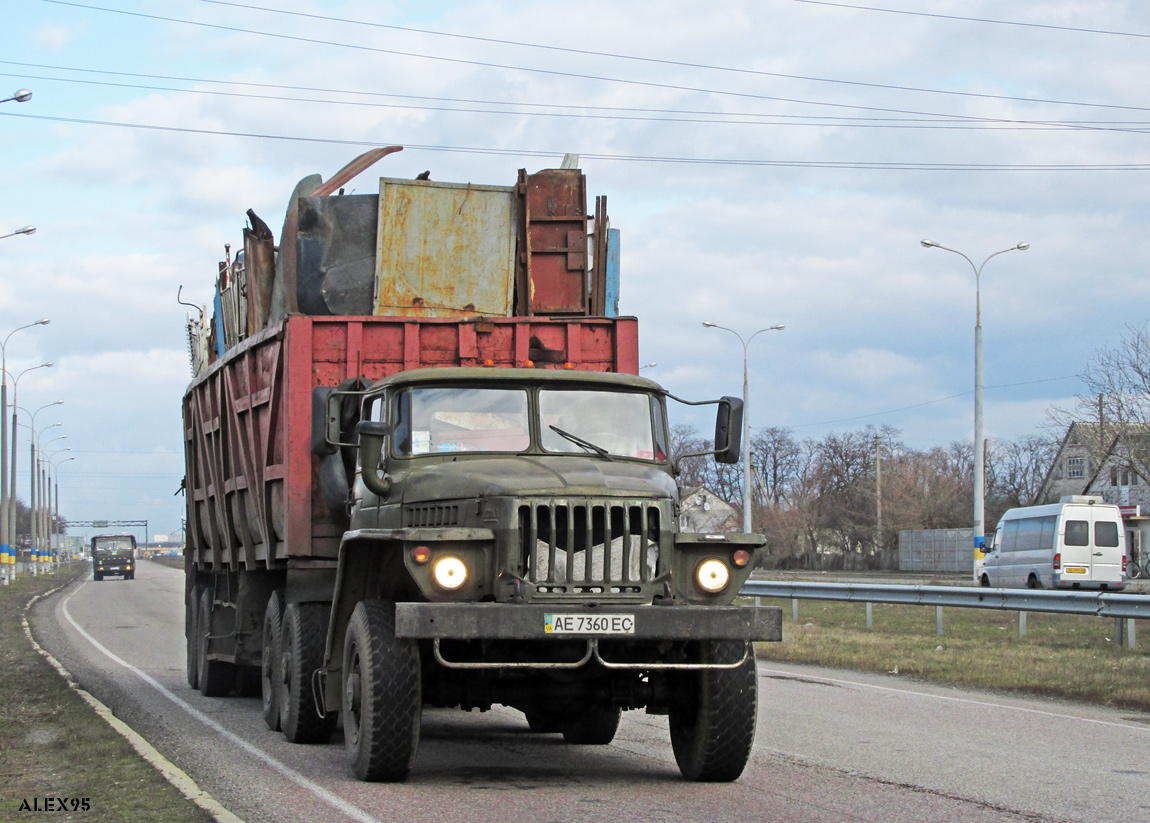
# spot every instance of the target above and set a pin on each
(1099, 604)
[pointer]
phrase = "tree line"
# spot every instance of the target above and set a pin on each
(817, 495)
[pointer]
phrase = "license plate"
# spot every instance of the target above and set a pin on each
(589, 623)
(1075, 570)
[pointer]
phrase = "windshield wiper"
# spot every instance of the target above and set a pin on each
(579, 441)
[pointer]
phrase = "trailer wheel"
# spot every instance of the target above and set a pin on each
(192, 636)
(304, 633)
(271, 660)
(712, 715)
(215, 676)
(596, 727)
(382, 694)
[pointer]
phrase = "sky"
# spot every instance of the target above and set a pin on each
(766, 161)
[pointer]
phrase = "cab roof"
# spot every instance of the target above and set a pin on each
(535, 377)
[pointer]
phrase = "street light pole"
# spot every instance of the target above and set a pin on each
(746, 419)
(5, 549)
(979, 449)
(12, 466)
(34, 494)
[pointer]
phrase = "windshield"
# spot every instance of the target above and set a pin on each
(605, 422)
(115, 545)
(438, 420)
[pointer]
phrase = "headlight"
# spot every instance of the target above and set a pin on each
(712, 576)
(449, 573)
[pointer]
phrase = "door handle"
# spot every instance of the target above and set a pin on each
(1097, 554)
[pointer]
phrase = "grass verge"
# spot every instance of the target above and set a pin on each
(52, 745)
(1065, 656)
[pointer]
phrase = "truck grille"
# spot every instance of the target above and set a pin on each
(432, 515)
(593, 546)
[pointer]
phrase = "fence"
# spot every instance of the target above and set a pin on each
(936, 550)
(1124, 608)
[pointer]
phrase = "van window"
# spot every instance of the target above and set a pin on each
(1077, 533)
(1029, 534)
(1010, 536)
(1106, 534)
(1049, 527)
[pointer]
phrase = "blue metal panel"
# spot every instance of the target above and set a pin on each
(611, 309)
(218, 312)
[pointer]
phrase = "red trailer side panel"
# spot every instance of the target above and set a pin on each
(253, 493)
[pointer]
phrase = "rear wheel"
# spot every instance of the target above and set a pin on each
(596, 727)
(712, 714)
(215, 676)
(271, 659)
(192, 636)
(382, 694)
(304, 633)
(97, 576)
(1032, 582)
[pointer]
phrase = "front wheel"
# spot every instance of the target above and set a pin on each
(712, 714)
(382, 694)
(1132, 569)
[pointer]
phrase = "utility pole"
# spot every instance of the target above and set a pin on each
(878, 493)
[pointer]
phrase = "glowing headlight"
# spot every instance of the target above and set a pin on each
(449, 572)
(712, 576)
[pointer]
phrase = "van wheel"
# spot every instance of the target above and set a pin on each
(216, 677)
(271, 659)
(304, 634)
(382, 694)
(984, 581)
(712, 714)
(1032, 582)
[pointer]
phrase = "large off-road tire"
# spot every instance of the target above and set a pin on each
(215, 677)
(596, 727)
(192, 636)
(712, 714)
(304, 635)
(382, 694)
(271, 660)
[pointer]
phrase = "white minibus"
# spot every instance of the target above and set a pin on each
(1078, 543)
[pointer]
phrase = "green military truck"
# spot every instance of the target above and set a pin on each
(395, 508)
(114, 554)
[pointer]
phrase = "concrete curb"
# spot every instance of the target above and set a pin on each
(172, 773)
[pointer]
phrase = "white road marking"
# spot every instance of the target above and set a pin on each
(338, 802)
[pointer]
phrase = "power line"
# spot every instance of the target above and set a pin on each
(714, 118)
(632, 158)
(682, 63)
(1074, 29)
(487, 64)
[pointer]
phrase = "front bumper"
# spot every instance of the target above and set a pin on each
(504, 621)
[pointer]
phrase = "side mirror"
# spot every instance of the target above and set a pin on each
(371, 435)
(728, 430)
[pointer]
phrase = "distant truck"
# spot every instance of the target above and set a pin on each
(1077, 543)
(419, 503)
(114, 554)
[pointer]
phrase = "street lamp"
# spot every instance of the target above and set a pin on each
(650, 365)
(25, 230)
(12, 465)
(4, 546)
(979, 452)
(56, 517)
(746, 419)
(21, 96)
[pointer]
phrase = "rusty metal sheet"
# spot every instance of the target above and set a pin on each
(444, 249)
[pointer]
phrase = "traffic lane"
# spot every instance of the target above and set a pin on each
(477, 766)
(1055, 758)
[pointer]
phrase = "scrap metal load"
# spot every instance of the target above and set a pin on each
(419, 248)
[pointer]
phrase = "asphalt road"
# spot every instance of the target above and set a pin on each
(831, 745)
